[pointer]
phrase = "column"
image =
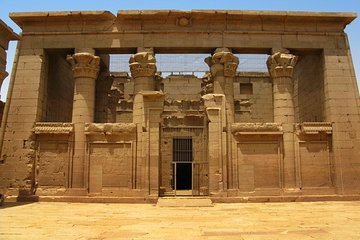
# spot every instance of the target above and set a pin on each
(220, 111)
(281, 68)
(148, 106)
(215, 105)
(85, 68)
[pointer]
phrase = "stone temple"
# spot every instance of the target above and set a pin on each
(76, 129)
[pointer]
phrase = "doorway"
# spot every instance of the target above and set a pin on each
(184, 166)
(182, 163)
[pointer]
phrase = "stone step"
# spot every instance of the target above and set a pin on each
(184, 202)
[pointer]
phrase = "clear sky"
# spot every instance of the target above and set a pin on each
(353, 29)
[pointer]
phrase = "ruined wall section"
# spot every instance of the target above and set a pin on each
(114, 98)
(183, 105)
(309, 89)
(253, 98)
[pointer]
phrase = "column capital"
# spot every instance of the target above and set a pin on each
(84, 65)
(281, 64)
(142, 64)
(3, 75)
(222, 63)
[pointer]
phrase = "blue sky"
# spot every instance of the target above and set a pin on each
(352, 30)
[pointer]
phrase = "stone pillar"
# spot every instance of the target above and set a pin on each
(85, 68)
(148, 106)
(216, 114)
(143, 69)
(281, 67)
(223, 64)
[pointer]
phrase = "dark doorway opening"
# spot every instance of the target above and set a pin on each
(183, 176)
(182, 163)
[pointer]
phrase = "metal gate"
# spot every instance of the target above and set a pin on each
(184, 166)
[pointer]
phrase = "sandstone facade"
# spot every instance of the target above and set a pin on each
(75, 131)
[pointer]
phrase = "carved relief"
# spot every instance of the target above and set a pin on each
(239, 128)
(315, 127)
(52, 164)
(110, 128)
(222, 63)
(281, 64)
(183, 21)
(84, 65)
(142, 64)
(53, 128)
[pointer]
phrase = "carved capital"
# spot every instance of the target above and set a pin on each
(223, 63)
(3, 75)
(142, 64)
(281, 64)
(84, 65)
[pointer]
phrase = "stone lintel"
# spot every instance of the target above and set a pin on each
(213, 100)
(253, 74)
(154, 95)
(315, 127)
(334, 17)
(53, 128)
(110, 128)
(24, 18)
(339, 19)
(256, 128)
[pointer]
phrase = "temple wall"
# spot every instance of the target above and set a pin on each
(253, 104)
(182, 87)
(59, 90)
(24, 109)
(259, 137)
(342, 108)
(309, 89)
(259, 166)
(52, 164)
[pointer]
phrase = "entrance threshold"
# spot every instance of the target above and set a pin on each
(184, 202)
